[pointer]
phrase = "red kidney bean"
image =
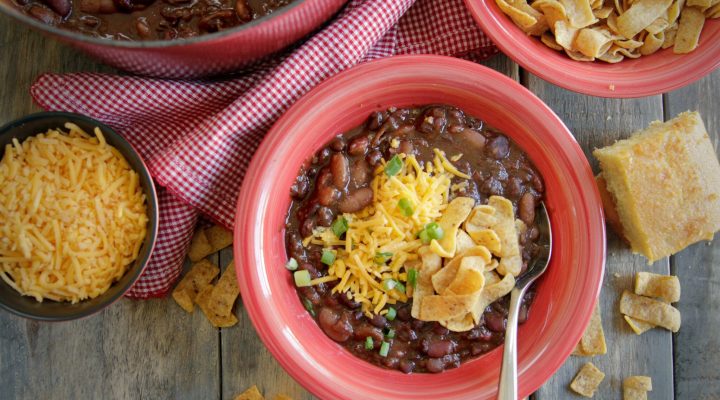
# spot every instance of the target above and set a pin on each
(375, 120)
(537, 183)
(440, 348)
(406, 147)
(405, 333)
(217, 20)
(513, 188)
(335, 324)
(495, 321)
(340, 169)
(356, 200)
(358, 145)
(338, 143)
(322, 156)
(478, 348)
(492, 186)
(526, 208)
(311, 294)
(62, 7)
(498, 148)
(307, 226)
(44, 14)
(390, 362)
(360, 172)
(242, 9)
(440, 330)
(363, 331)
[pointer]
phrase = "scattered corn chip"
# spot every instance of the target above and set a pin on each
(665, 287)
(223, 296)
(251, 394)
(592, 342)
(587, 380)
(197, 279)
(650, 310)
(218, 321)
(688, 33)
(200, 246)
(218, 237)
(639, 327)
(636, 387)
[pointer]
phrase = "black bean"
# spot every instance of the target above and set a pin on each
(407, 366)
(346, 299)
(440, 330)
(307, 226)
(478, 348)
(375, 120)
(495, 321)
(374, 157)
(356, 201)
(391, 362)
(358, 145)
(526, 208)
(405, 333)
(295, 246)
(498, 148)
(435, 365)
(309, 293)
(379, 321)
(439, 348)
(299, 188)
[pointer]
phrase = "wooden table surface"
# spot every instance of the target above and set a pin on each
(154, 350)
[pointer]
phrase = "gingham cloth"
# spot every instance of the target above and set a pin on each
(198, 136)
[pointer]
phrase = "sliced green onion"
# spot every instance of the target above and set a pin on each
(369, 343)
(393, 166)
(424, 237)
(308, 306)
(328, 257)
(384, 349)
(389, 284)
(399, 287)
(434, 231)
(406, 207)
(412, 277)
(302, 278)
(390, 334)
(391, 314)
(382, 257)
(292, 264)
(340, 226)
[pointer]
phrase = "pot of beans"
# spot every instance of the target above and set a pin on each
(385, 218)
(175, 38)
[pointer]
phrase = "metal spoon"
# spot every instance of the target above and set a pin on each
(508, 388)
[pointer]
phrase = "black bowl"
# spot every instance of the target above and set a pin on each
(49, 310)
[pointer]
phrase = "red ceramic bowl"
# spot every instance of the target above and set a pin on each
(646, 76)
(566, 295)
(204, 55)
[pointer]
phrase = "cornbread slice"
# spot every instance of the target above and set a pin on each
(665, 183)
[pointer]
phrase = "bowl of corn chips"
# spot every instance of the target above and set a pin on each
(611, 48)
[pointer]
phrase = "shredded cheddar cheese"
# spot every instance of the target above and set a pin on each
(383, 228)
(72, 215)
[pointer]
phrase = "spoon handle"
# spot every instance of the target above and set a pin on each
(508, 389)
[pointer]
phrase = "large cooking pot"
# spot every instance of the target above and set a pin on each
(209, 54)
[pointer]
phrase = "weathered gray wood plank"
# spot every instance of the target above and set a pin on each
(132, 350)
(597, 122)
(696, 345)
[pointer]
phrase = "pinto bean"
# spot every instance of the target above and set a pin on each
(526, 208)
(327, 194)
(340, 169)
(217, 20)
(242, 9)
(356, 200)
(335, 324)
(360, 172)
(143, 29)
(474, 138)
(338, 143)
(374, 157)
(364, 330)
(358, 145)
(44, 14)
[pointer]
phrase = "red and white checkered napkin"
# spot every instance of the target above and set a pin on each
(198, 137)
